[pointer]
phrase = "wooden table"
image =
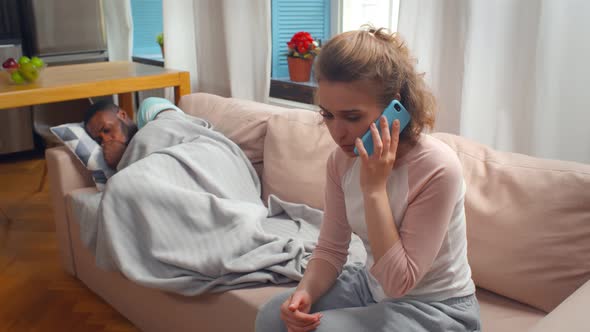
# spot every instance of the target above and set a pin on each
(61, 83)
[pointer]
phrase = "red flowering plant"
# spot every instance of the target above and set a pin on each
(302, 46)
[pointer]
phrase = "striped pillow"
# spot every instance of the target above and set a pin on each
(75, 138)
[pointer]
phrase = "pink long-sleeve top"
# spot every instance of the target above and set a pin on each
(426, 193)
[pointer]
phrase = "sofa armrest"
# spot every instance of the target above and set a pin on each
(571, 315)
(66, 173)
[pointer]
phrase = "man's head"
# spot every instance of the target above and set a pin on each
(110, 127)
(105, 122)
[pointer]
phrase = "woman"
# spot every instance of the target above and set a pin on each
(405, 201)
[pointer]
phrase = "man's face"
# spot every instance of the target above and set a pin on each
(108, 126)
(112, 131)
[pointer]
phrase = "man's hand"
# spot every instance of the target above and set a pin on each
(113, 152)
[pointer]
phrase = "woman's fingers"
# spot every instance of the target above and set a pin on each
(361, 149)
(377, 144)
(302, 328)
(296, 316)
(311, 327)
(303, 321)
(385, 135)
(294, 301)
(306, 317)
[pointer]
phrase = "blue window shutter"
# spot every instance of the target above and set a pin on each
(147, 24)
(291, 16)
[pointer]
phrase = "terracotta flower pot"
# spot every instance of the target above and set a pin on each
(299, 69)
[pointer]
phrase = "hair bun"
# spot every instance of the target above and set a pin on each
(379, 33)
(386, 35)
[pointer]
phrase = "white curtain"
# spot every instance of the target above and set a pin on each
(225, 44)
(119, 29)
(511, 74)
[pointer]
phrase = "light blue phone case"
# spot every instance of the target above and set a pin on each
(395, 110)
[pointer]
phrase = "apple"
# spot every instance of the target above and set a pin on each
(10, 63)
(37, 62)
(29, 72)
(17, 77)
(24, 59)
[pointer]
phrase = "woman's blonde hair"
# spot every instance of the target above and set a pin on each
(382, 58)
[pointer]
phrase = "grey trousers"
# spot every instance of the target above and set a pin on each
(349, 306)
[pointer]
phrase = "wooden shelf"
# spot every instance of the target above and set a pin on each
(294, 91)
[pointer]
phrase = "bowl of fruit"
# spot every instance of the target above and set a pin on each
(24, 70)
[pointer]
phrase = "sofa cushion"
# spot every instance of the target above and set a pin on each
(296, 150)
(528, 223)
(242, 121)
(499, 313)
(571, 313)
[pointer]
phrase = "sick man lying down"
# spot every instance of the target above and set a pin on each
(111, 127)
(183, 212)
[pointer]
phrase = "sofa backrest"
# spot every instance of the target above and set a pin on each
(296, 150)
(242, 121)
(528, 223)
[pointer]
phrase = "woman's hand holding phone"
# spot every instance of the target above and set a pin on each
(375, 169)
(394, 111)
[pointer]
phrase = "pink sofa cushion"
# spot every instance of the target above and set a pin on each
(242, 121)
(296, 150)
(528, 223)
(499, 313)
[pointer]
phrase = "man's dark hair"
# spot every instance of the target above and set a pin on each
(99, 106)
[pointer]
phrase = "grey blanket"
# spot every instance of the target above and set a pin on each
(184, 214)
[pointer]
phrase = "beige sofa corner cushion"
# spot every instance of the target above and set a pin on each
(66, 172)
(499, 313)
(528, 223)
(296, 150)
(571, 315)
(242, 121)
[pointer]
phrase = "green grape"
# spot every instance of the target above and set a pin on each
(37, 62)
(17, 77)
(29, 72)
(24, 59)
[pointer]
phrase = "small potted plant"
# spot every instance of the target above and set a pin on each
(160, 41)
(302, 50)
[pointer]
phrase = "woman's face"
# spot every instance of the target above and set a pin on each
(348, 109)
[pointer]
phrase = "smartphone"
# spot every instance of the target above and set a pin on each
(395, 110)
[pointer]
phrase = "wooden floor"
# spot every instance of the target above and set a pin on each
(36, 294)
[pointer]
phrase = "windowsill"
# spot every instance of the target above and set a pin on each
(291, 104)
(149, 59)
(284, 88)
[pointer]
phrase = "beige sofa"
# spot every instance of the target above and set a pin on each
(528, 226)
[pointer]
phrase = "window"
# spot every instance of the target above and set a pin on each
(147, 24)
(291, 16)
(321, 18)
(380, 13)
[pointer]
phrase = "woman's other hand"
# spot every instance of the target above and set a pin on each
(295, 313)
